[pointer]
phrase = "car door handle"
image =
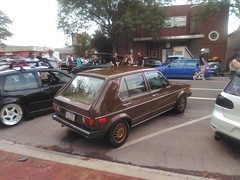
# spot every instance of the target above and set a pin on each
(47, 91)
(155, 95)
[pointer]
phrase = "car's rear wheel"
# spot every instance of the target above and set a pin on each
(118, 133)
(11, 114)
(181, 104)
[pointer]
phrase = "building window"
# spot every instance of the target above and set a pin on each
(176, 21)
(213, 35)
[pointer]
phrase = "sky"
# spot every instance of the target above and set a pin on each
(35, 23)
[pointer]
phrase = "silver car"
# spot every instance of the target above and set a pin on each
(226, 114)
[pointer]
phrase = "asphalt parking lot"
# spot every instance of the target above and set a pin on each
(182, 143)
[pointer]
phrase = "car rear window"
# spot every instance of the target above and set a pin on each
(233, 87)
(83, 89)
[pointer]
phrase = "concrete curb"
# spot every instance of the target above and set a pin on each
(101, 165)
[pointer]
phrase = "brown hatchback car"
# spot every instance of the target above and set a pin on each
(107, 102)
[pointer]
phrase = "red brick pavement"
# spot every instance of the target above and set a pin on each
(11, 168)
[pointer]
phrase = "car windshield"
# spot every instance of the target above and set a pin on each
(83, 89)
(233, 87)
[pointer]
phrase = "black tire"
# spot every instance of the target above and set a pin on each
(11, 114)
(118, 133)
(181, 104)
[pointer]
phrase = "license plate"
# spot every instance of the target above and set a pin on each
(70, 116)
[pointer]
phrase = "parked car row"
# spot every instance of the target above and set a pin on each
(18, 63)
(106, 103)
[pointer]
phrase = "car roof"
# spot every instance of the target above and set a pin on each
(185, 59)
(114, 72)
(11, 71)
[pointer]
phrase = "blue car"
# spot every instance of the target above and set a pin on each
(183, 68)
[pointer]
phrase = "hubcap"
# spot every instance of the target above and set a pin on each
(119, 133)
(11, 114)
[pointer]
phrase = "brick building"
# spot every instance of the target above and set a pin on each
(233, 42)
(181, 31)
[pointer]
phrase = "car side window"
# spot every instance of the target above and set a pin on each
(21, 81)
(156, 80)
(123, 90)
(178, 63)
(135, 85)
(191, 63)
(53, 78)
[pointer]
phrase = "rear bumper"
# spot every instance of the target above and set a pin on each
(90, 134)
(223, 125)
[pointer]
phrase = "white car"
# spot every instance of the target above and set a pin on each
(226, 114)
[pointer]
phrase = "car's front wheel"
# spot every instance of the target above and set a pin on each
(118, 133)
(181, 104)
(11, 114)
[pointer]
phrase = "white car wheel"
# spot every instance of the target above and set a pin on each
(11, 114)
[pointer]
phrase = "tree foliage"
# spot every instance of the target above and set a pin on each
(4, 32)
(101, 43)
(111, 16)
(83, 44)
(207, 8)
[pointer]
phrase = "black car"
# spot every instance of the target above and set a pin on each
(216, 66)
(28, 92)
(152, 62)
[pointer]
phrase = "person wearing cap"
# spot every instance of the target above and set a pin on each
(54, 61)
(202, 64)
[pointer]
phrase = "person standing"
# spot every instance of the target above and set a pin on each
(125, 60)
(40, 56)
(114, 60)
(69, 63)
(79, 61)
(131, 60)
(54, 61)
(234, 65)
(140, 60)
(202, 64)
(32, 57)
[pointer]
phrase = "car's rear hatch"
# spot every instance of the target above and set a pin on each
(76, 101)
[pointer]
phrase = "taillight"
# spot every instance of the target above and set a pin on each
(91, 122)
(55, 107)
(102, 120)
(88, 121)
(224, 102)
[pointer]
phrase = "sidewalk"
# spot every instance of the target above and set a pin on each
(24, 162)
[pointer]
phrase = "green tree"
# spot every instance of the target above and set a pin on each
(101, 43)
(207, 8)
(111, 16)
(83, 44)
(4, 33)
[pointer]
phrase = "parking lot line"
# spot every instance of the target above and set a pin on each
(202, 98)
(135, 141)
(206, 89)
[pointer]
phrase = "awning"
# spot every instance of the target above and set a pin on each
(195, 36)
